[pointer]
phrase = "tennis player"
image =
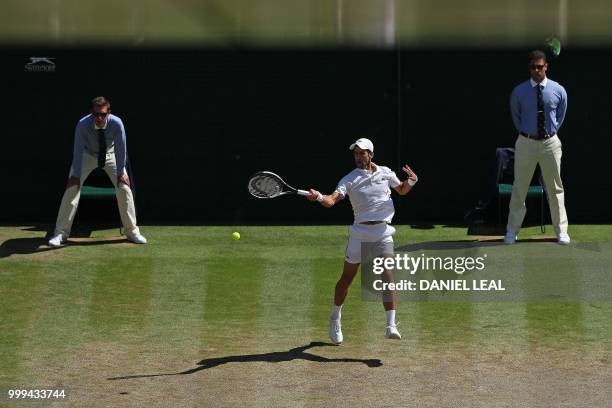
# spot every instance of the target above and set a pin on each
(369, 190)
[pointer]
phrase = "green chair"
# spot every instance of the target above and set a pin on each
(98, 193)
(534, 191)
(99, 189)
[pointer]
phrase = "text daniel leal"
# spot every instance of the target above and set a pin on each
(449, 284)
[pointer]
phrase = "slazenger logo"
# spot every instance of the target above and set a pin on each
(40, 64)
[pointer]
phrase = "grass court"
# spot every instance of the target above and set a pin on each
(197, 319)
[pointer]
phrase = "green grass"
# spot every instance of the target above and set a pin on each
(85, 312)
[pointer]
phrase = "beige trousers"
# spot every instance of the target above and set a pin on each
(528, 153)
(70, 200)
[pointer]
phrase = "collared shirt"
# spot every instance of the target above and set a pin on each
(524, 106)
(370, 193)
(86, 140)
(103, 127)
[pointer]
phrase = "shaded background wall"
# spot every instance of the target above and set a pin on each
(200, 121)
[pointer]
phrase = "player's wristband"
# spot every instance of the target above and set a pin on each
(412, 182)
(320, 198)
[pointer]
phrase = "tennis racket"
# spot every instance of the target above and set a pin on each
(265, 184)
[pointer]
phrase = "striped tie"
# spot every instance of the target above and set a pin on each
(541, 115)
(101, 148)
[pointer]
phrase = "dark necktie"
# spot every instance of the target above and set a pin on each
(541, 116)
(101, 148)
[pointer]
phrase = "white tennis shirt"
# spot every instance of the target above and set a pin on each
(370, 193)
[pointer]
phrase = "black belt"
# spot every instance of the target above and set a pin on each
(536, 137)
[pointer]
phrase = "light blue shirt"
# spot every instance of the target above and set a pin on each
(524, 106)
(86, 141)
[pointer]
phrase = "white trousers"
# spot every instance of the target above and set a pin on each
(528, 153)
(70, 200)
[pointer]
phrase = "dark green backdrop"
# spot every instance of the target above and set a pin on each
(200, 121)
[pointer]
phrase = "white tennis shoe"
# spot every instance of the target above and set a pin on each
(335, 331)
(56, 240)
(563, 239)
(393, 333)
(136, 238)
(510, 237)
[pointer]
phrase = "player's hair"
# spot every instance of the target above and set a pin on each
(100, 101)
(536, 55)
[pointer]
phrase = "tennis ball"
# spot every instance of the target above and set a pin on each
(236, 236)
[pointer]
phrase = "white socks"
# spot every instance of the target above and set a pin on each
(336, 312)
(390, 317)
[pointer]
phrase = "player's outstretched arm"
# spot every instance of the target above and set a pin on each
(407, 184)
(325, 200)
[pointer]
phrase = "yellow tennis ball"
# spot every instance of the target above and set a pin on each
(236, 236)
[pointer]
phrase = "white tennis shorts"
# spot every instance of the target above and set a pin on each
(376, 239)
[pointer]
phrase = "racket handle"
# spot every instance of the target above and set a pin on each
(303, 192)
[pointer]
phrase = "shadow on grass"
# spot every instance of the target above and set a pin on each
(467, 244)
(297, 353)
(488, 229)
(531, 240)
(78, 231)
(28, 246)
(448, 245)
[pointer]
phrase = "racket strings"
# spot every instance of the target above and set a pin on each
(265, 186)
